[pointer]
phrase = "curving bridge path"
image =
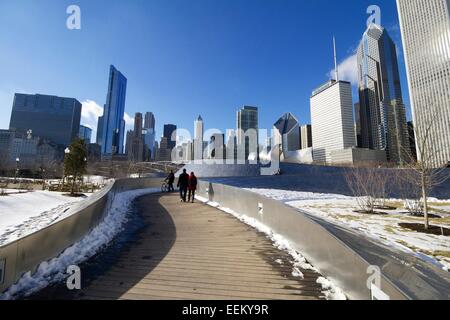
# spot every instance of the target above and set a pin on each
(193, 251)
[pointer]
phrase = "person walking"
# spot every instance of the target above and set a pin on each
(192, 186)
(170, 181)
(183, 183)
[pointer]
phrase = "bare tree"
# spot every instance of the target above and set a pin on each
(426, 174)
(361, 183)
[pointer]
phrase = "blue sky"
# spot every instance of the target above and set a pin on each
(183, 58)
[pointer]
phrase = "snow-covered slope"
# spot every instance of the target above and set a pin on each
(24, 213)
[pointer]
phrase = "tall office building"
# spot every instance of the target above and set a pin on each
(113, 127)
(136, 145)
(99, 138)
(382, 116)
(306, 136)
(247, 120)
(149, 121)
(169, 130)
(85, 134)
(48, 117)
(358, 124)
(198, 138)
(149, 133)
(287, 133)
(332, 119)
(425, 28)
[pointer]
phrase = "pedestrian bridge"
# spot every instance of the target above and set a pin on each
(193, 251)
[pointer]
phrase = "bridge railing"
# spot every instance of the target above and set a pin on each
(26, 254)
(350, 261)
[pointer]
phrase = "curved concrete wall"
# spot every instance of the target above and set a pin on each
(25, 254)
(339, 257)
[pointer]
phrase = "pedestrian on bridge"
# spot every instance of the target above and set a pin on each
(183, 183)
(170, 181)
(192, 187)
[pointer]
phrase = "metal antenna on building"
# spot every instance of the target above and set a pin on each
(335, 60)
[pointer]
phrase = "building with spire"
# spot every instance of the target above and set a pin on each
(382, 114)
(198, 138)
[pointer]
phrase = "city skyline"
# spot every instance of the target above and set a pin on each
(289, 94)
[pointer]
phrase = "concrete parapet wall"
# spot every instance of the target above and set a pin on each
(26, 254)
(339, 257)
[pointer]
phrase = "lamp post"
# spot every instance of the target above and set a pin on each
(17, 170)
(66, 152)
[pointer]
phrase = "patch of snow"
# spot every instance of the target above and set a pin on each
(25, 213)
(331, 291)
(339, 210)
(297, 273)
(55, 270)
(281, 243)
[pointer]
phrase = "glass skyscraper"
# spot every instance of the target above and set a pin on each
(85, 134)
(169, 129)
(113, 128)
(48, 117)
(247, 119)
(382, 115)
(425, 27)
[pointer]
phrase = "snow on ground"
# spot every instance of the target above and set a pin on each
(330, 291)
(25, 213)
(54, 271)
(339, 210)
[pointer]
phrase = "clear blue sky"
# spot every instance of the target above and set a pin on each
(184, 57)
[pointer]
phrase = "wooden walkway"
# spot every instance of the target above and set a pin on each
(196, 252)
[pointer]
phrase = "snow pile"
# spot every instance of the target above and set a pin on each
(385, 229)
(55, 270)
(24, 213)
(331, 291)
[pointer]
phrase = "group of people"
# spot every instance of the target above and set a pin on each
(186, 183)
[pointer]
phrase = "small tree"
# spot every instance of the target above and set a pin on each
(362, 184)
(75, 162)
(426, 173)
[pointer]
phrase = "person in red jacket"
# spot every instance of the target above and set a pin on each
(192, 186)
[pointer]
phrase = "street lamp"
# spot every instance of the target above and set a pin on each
(66, 152)
(17, 170)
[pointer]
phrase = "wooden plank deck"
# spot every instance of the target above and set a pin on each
(196, 252)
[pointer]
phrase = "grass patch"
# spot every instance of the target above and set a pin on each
(418, 227)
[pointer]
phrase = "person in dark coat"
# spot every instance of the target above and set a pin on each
(170, 181)
(183, 183)
(192, 186)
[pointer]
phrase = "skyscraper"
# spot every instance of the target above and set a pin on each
(169, 129)
(287, 133)
(198, 138)
(425, 27)
(306, 136)
(136, 145)
(113, 130)
(99, 139)
(149, 121)
(247, 124)
(332, 119)
(149, 133)
(48, 117)
(382, 115)
(85, 134)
